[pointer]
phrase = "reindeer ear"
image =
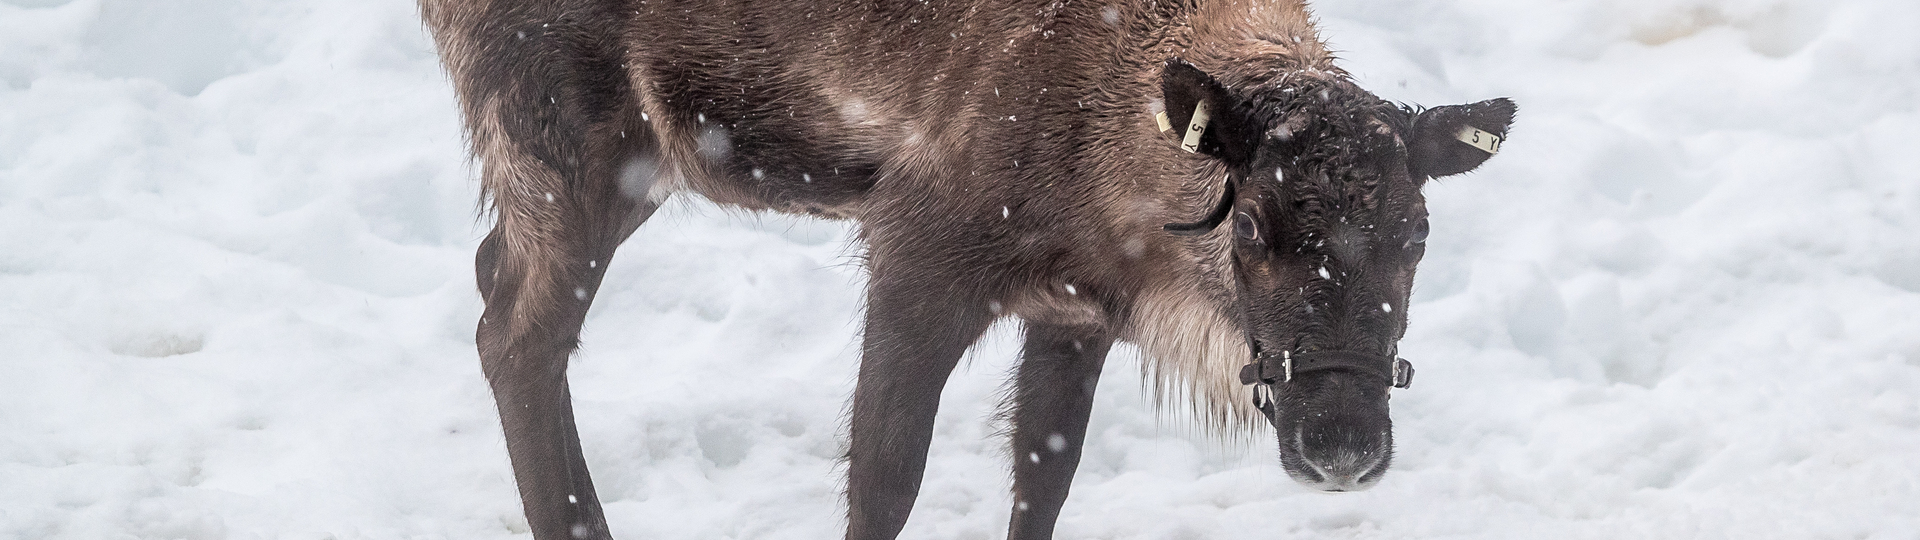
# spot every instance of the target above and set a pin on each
(1196, 102)
(1453, 139)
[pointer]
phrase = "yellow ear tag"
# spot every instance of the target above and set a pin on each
(1161, 119)
(1486, 142)
(1196, 127)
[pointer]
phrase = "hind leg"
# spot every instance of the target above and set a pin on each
(537, 298)
(538, 280)
(558, 221)
(549, 110)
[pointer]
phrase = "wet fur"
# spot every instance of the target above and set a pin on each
(1001, 159)
(1101, 177)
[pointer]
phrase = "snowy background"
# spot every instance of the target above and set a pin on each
(236, 299)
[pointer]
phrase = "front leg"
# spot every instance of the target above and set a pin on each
(917, 328)
(1052, 399)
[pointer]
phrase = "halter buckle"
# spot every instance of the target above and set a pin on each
(1402, 373)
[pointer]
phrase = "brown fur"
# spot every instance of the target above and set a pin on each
(1001, 158)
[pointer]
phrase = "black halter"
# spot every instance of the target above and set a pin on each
(1270, 368)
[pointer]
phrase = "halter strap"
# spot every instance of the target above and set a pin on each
(1269, 368)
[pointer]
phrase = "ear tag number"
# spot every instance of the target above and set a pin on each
(1486, 142)
(1196, 128)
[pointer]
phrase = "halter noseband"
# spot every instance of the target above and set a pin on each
(1269, 368)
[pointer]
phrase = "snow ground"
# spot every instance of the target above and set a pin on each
(235, 299)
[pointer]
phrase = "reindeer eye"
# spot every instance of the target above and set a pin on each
(1244, 228)
(1419, 233)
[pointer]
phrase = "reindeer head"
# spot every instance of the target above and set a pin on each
(1327, 222)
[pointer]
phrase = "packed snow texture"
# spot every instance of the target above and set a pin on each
(236, 299)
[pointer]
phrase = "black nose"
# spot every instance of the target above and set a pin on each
(1341, 454)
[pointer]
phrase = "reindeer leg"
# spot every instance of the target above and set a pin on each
(558, 222)
(914, 336)
(1052, 399)
(550, 113)
(536, 301)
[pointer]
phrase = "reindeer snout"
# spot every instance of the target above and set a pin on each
(1340, 455)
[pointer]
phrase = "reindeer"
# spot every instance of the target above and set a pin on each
(1037, 159)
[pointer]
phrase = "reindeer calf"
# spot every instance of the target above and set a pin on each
(1037, 159)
